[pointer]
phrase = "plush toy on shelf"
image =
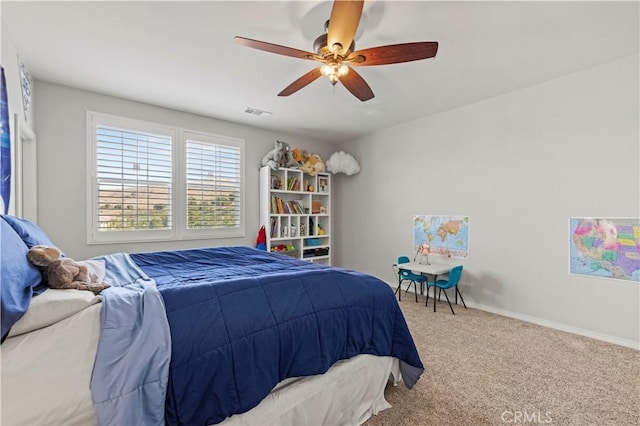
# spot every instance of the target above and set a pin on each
(300, 155)
(283, 248)
(279, 156)
(313, 165)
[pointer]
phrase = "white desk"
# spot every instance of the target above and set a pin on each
(432, 268)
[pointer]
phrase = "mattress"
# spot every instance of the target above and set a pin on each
(46, 372)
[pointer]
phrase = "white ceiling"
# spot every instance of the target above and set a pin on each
(182, 55)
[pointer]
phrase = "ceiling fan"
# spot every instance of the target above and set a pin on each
(335, 50)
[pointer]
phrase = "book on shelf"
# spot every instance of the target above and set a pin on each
(295, 207)
(276, 205)
(293, 184)
(276, 182)
(280, 206)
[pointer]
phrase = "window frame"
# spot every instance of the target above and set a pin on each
(179, 230)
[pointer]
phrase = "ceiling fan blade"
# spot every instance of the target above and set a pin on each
(394, 53)
(343, 23)
(308, 78)
(356, 85)
(273, 48)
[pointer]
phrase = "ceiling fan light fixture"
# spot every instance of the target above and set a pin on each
(333, 70)
(326, 70)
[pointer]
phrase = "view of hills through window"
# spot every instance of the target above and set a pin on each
(134, 207)
(149, 207)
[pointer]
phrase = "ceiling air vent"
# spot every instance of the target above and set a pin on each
(258, 112)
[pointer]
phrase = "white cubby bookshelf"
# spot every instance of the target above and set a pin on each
(295, 210)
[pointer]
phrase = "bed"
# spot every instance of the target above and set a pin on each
(228, 335)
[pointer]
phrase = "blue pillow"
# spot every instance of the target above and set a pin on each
(19, 279)
(31, 234)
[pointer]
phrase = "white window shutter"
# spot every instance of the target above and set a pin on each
(134, 178)
(213, 185)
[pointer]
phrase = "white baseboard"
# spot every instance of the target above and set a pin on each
(545, 323)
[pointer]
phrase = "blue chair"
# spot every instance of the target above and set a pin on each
(404, 275)
(443, 285)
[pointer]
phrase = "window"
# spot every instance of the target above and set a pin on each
(134, 180)
(152, 182)
(213, 183)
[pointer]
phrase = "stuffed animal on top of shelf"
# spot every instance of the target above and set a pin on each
(279, 156)
(300, 155)
(313, 165)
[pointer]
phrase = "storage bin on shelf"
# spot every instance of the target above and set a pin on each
(315, 252)
(312, 242)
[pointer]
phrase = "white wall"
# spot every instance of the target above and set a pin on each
(519, 165)
(62, 169)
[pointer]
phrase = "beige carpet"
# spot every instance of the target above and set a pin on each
(486, 369)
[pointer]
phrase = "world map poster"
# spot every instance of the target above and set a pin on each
(607, 247)
(446, 235)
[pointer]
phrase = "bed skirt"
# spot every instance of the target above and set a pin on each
(348, 394)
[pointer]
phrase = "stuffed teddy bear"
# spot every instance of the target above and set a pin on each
(279, 156)
(64, 273)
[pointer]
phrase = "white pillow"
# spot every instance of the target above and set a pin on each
(51, 307)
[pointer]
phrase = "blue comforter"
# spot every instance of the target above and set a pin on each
(242, 320)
